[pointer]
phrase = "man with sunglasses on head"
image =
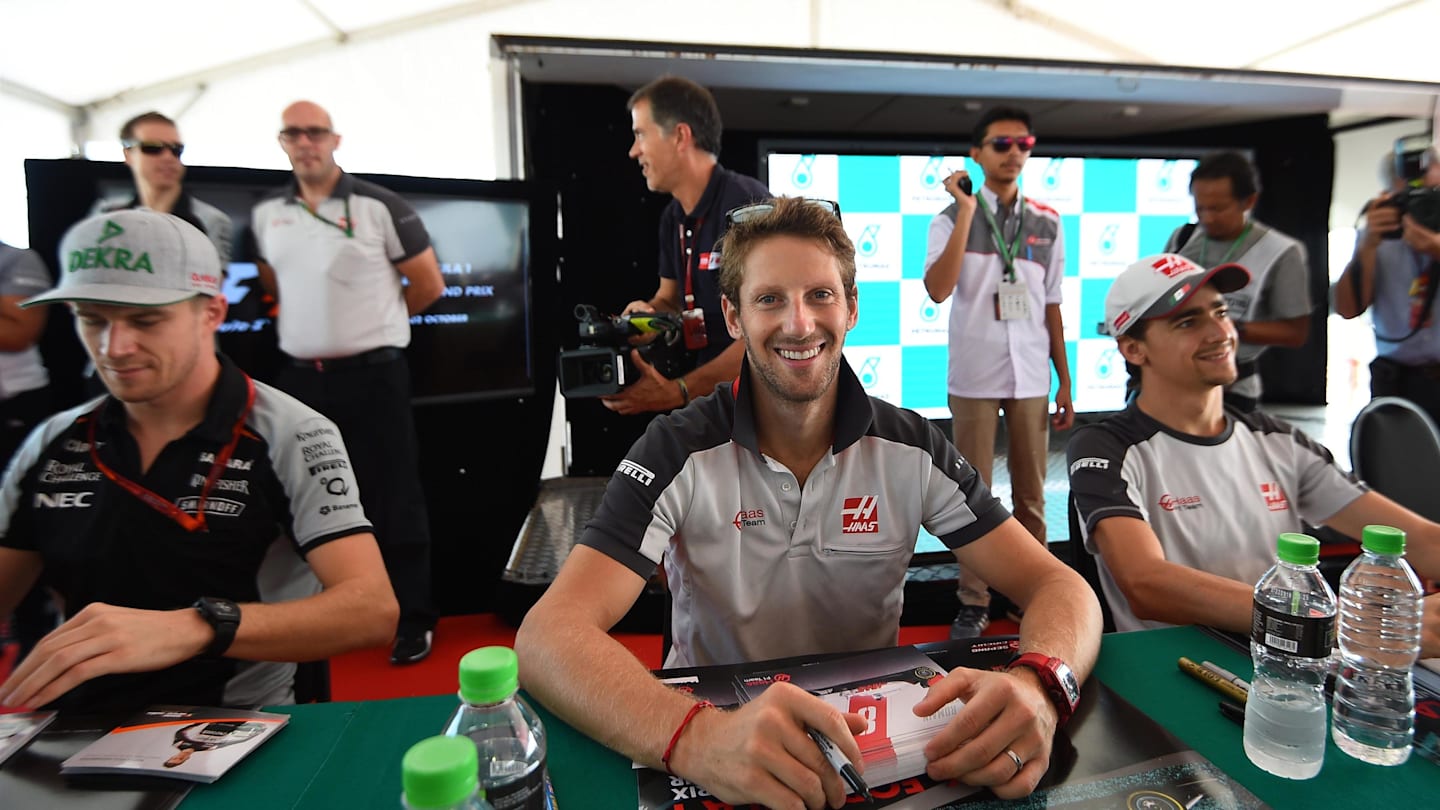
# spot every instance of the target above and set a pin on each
(831, 487)
(350, 262)
(1002, 265)
(152, 510)
(676, 125)
(1274, 309)
(152, 151)
(1181, 495)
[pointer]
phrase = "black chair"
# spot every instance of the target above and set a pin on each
(1084, 563)
(1395, 448)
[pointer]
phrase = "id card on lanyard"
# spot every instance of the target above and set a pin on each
(1012, 297)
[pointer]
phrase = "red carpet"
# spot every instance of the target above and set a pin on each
(368, 675)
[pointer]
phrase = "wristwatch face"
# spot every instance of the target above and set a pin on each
(221, 609)
(1067, 680)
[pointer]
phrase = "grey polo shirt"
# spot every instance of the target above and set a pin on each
(760, 567)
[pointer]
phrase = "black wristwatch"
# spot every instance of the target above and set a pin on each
(223, 616)
(1058, 680)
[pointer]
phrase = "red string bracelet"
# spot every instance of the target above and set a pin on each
(670, 749)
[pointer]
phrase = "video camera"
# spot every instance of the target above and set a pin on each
(1419, 201)
(602, 364)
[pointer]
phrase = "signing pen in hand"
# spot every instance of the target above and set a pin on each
(841, 765)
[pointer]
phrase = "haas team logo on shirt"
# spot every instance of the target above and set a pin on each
(1275, 498)
(859, 515)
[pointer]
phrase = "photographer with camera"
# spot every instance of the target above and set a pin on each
(677, 137)
(1396, 269)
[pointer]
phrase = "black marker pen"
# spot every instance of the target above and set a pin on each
(842, 766)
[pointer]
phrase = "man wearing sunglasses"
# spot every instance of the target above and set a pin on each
(1274, 309)
(349, 262)
(1002, 266)
(153, 510)
(152, 151)
(784, 509)
(676, 125)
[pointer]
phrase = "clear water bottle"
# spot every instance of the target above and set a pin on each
(1380, 616)
(439, 773)
(506, 731)
(1291, 633)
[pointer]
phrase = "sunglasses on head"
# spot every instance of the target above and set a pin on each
(1003, 143)
(155, 147)
(760, 209)
(292, 134)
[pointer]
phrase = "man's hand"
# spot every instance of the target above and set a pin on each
(1421, 238)
(1003, 711)
(761, 754)
(1064, 416)
(652, 392)
(1430, 627)
(1380, 219)
(102, 640)
(637, 306)
(966, 202)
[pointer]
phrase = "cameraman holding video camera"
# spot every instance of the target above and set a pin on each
(1396, 268)
(677, 136)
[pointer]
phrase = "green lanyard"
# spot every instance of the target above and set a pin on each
(1239, 240)
(1007, 252)
(348, 228)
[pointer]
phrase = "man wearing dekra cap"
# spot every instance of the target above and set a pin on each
(151, 509)
(1181, 495)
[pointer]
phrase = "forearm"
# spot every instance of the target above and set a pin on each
(593, 683)
(1363, 264)
(1291, 333)
(1178, 594)
(1063, 620)
(723, 368)
(944, 273)
(347, 616)
(419, 297)
(1055, 326)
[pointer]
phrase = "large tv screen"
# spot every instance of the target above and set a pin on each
(1113, 211)
(474, 343)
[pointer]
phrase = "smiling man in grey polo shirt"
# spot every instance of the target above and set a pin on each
(786, 506)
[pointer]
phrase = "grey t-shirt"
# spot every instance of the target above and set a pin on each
(22, 274)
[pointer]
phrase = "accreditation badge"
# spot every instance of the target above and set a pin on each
(1012, 301)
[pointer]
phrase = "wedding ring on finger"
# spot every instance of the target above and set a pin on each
(1015, 758)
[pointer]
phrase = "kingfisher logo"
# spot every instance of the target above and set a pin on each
(1170, 503)
(860, 515)
(1275, 499)
(749, 519)
(630, 468)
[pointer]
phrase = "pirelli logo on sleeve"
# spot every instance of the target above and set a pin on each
(633, 470)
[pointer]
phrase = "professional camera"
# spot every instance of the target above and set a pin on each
(602, 364)
(1422, 204)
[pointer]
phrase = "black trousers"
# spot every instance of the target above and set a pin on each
(1419, 384)
(370, 403)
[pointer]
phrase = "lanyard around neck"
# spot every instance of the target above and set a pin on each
(1010, 251)
(1239, 240)
(348, 228)
(191, 523)
(687, 246)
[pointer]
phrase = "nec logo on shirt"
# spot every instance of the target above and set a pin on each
(63, 500)
(1275, 499)
(859, 515)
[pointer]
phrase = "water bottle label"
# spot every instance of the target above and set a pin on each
(527, 793)
(1305, 636)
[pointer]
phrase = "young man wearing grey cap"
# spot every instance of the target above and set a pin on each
(151, 509)
(1181, 496)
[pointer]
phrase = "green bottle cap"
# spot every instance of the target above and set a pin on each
(1297, 549)
(489, 675)
(1386, 540)
(440, 772)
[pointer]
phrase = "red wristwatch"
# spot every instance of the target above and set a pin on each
(1058, 680)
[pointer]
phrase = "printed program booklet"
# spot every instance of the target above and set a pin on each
(181, 742)
(17, 729)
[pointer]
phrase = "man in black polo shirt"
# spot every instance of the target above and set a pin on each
(350, 262)
(152, 151)
(677, 137)
(150, 510)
